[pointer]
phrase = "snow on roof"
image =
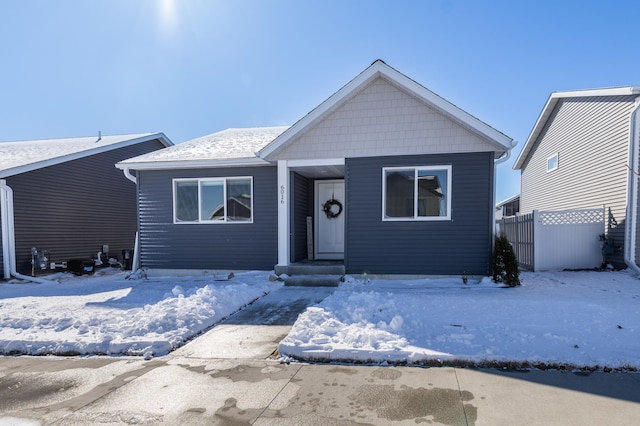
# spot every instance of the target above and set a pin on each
(231, 145)
(23, 156)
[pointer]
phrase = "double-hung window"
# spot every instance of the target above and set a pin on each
(416, 193)
(213, 200)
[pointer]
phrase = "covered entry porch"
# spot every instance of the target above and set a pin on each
(312, 208)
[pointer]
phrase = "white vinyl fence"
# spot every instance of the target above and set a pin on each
(556, 240)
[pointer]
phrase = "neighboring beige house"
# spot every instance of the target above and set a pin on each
(583, 153)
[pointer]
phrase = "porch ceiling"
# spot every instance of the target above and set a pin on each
(320, 172)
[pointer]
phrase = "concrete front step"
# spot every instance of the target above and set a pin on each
(313, 280)
(311, 269)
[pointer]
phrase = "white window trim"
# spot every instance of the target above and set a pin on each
(557, 162)
(415, 217)
(200, 221)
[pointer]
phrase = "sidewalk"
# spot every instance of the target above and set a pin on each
(178, 390)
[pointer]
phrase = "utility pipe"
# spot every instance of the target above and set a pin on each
(632, 192)
(8, 237)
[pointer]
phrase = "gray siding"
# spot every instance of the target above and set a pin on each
(237, 246)
(71, 209)
(461, 245)
(591, 138)
(301, 208)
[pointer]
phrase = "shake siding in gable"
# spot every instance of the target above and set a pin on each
(223, 246)
(383, 120)
(591, 137)
(461, 245)
(73, 208)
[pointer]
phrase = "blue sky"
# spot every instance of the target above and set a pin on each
(192, 67)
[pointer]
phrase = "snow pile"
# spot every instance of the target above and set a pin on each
(110, 315)
(584, 319)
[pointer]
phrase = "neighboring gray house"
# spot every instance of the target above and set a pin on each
(391, 178)
(583, 153)
(65, 197)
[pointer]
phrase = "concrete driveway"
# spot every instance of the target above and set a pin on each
(254, 332)
(227, 376)
(188, 391)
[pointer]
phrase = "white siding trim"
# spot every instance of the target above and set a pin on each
(284, 221)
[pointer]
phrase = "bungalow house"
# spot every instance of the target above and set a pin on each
(384, 177)
(63, 199)
(583, 153)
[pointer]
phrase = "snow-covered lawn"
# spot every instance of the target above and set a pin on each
(555, 319)
(583, 319)
(108, 314)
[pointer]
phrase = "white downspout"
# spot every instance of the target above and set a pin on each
(6, 248)
(135, 262)
(9, 237)
(128, 175)
(632, 193)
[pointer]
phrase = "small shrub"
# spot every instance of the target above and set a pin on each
(505, 264)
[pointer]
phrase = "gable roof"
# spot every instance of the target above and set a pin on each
(380, 69)
(24, 156)
(553, 100)
(236, 146)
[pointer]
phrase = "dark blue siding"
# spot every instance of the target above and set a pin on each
(461, 245)
(302, 207)
(237, 246)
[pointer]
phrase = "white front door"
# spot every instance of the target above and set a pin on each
(330, 205)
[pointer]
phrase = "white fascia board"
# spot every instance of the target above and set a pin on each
(550, 105)
(192, 164)
(320, 110)
(537, 128)
(377, 69)
(609, 91)
(81, 154)
(316, 162)
(447, 107)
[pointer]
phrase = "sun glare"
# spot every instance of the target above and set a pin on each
(168, 16)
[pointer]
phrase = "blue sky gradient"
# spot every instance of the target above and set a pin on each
(188, 68)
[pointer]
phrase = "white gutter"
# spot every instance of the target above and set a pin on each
(632, 192)
(8, 237)
(128, 175)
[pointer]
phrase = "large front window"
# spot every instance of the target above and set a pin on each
(213, 200)
(417, 193)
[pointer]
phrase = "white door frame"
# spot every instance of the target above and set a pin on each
(283, 200)
(317, 217)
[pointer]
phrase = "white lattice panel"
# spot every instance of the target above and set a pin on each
(572, 217)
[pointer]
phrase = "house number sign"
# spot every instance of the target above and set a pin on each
(281, 194)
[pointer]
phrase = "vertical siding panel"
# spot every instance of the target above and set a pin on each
(238, 246)
(73, 208)
(590, 136)
(461, 245)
